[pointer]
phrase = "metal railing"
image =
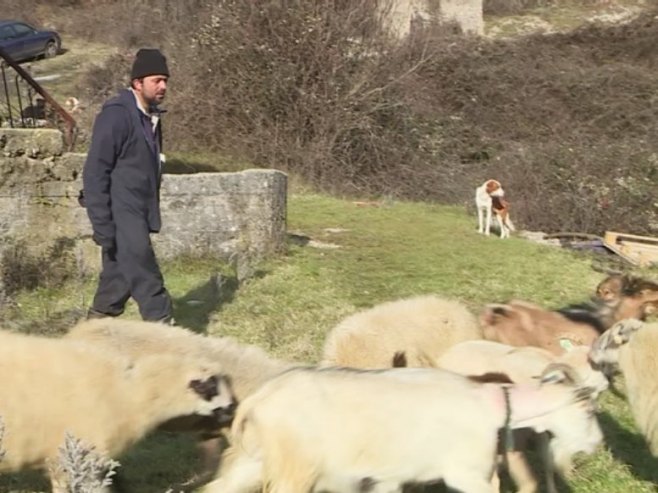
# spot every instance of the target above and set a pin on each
(19, 86)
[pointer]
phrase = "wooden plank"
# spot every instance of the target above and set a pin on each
(639, 250)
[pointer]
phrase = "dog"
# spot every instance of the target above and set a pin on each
(489, 199)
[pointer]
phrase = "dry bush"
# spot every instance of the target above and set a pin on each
(21, 268)
(567, 121)
(515, 7)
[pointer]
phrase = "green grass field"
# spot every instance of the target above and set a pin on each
(342, 258)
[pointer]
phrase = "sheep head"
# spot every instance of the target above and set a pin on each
(604, 354)
(631, 297)
(217, 398)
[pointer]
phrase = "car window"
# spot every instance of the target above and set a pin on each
(23, 30)
(6, 32)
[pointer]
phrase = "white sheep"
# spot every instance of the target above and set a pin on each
(423, 327)
(524, 365)
(521, 364)
(51, 387)
(632, 347)
(340, 429)
(247, 366)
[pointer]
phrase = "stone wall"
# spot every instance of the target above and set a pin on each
(401, 14)
(217, 214)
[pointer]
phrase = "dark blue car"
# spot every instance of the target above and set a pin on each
(22, 41)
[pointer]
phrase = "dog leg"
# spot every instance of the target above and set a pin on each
(487, 228)
(501, 224)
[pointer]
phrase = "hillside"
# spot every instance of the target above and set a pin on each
(556, 101)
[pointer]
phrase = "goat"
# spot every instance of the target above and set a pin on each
(522, 365)
(422, 326)
(53, 386)
(520, 323)
(617, 297)
(342, 429)
(630, 296)
(631, 347)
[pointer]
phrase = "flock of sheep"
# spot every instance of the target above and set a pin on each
(481, 390)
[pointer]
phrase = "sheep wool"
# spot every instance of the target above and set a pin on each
(247, 366)
(422, 327)
(53, 386)
(638, 361)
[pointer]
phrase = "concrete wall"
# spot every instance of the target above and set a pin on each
(203, 214)
(399, 15)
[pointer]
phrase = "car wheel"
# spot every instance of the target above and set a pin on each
(51, 50)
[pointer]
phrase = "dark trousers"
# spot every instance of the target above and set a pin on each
(131, 269)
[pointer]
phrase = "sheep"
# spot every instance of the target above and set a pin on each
(247, 367)
(617, 297)
(343, 430)
(51, 387)
(632, 347)
(423, 327)
(522, 365)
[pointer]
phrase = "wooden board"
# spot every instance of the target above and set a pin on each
(639, 250)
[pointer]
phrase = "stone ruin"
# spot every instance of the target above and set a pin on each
(221, 215)
(401, 15)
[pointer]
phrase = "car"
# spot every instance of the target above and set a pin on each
(21, 41)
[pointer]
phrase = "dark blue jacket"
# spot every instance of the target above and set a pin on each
(122, 172)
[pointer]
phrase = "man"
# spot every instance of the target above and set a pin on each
(121, 180)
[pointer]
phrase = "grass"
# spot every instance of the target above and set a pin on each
(341, 258)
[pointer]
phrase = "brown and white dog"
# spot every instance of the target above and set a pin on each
(489, 199)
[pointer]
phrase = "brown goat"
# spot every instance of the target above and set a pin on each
(520, 323)
(629, 296)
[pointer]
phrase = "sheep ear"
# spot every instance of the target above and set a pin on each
(650, 308)
(493, 312)
(585, 393)
(400, 359)
(623, 330)
(207, 388)
(560, 373)
(566, 344)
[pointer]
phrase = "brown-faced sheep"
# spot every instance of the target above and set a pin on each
(53, 386)
(423, 327)
(523, 365)
(632, 347)
(311, 430)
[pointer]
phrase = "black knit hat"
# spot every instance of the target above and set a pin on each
(149, 61)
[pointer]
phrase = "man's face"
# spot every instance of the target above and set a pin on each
(152, 88)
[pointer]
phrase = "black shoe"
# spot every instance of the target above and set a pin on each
(93, 314)
(168, 320)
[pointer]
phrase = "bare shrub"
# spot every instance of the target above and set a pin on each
(512, 7)
(82, 467)
(316, 88)
(22, 268)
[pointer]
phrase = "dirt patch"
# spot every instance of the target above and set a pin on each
(62, 75)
